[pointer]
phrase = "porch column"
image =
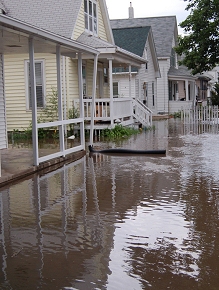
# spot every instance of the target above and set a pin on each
(130, 81)
(93, 100)
(81, 103)
(177, 91)
(34, 103)
(111, 90)
(187, 89)
(59, 91)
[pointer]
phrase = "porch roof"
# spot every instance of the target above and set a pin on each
(120, 56)
(181, 72)
(14, 39)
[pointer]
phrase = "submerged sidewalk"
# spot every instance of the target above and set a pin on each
(17, 163)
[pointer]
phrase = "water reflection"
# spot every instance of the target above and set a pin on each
(109, 222)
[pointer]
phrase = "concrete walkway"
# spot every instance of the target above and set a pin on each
(17, 163)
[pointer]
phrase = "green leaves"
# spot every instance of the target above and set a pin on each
(200, 46)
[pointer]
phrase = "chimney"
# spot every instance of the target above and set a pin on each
(131, 11)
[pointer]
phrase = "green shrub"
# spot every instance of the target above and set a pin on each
(119, 131)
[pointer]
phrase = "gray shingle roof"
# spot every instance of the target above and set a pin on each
(55, 16)
(182, 71)
(132, 39)
(163, 29)
(93, 41)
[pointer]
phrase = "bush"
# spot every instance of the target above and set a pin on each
(119, 131)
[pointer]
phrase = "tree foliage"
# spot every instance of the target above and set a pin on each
(215, 95)
(200, 45)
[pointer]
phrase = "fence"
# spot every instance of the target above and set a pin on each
(201, 119)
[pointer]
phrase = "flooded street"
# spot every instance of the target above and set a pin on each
(119, 222)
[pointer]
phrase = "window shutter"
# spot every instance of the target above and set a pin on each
(39, 85)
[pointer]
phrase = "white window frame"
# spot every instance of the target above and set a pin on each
(116, 96)
(90, 19)
(27, 83)
(105, 76)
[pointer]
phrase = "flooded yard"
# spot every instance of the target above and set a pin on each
(119, 222)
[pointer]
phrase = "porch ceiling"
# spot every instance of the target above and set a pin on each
(14, 37)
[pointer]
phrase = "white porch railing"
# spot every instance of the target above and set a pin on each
(176, 106)
(124, 111)
(142, 113)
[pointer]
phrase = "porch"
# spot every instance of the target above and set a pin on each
(108, 113)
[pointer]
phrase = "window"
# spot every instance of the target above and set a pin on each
(115, 89)
(173, 58)
(153, 94)
(84, 80)
(105, 75)
(40, 89)
(146, 57)
(90, 15)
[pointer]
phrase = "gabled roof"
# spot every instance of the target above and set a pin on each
(180, 72)
(108, 50)
(59, 17)
(164, 29)
(132, 39)
(55, 16)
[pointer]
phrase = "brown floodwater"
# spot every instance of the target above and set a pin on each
(119, 222)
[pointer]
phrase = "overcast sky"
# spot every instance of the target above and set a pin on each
(118, 9)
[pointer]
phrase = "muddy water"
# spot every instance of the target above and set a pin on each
(119, 222)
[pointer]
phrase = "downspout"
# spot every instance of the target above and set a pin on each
(111, 90)
(93, 99)
(64, 92)
(81, 103)
(130, 78)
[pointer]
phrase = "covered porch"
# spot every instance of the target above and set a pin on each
(110, 109)
(20, 38)
(182, 90)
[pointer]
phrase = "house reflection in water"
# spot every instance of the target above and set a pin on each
(49, 232)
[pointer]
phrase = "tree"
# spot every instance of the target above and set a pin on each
(215, 95)
(200, 45)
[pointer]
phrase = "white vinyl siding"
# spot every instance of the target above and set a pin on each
(115, 89)
(147, 77)
(123, 88)
(162, 86)
(40, 81)
(3, 133)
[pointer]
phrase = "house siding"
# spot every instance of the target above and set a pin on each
(148, 76)
(3, 135)
(80, 25)
(123, 80)
(18, 117)
(162, 86)
(101, 27)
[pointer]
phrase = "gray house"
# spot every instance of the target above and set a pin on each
(176, 87)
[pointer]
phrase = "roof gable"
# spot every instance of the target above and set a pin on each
(164, 30)
(59, 17)
(132, 39)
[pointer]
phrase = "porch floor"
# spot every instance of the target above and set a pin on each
(17, 164)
